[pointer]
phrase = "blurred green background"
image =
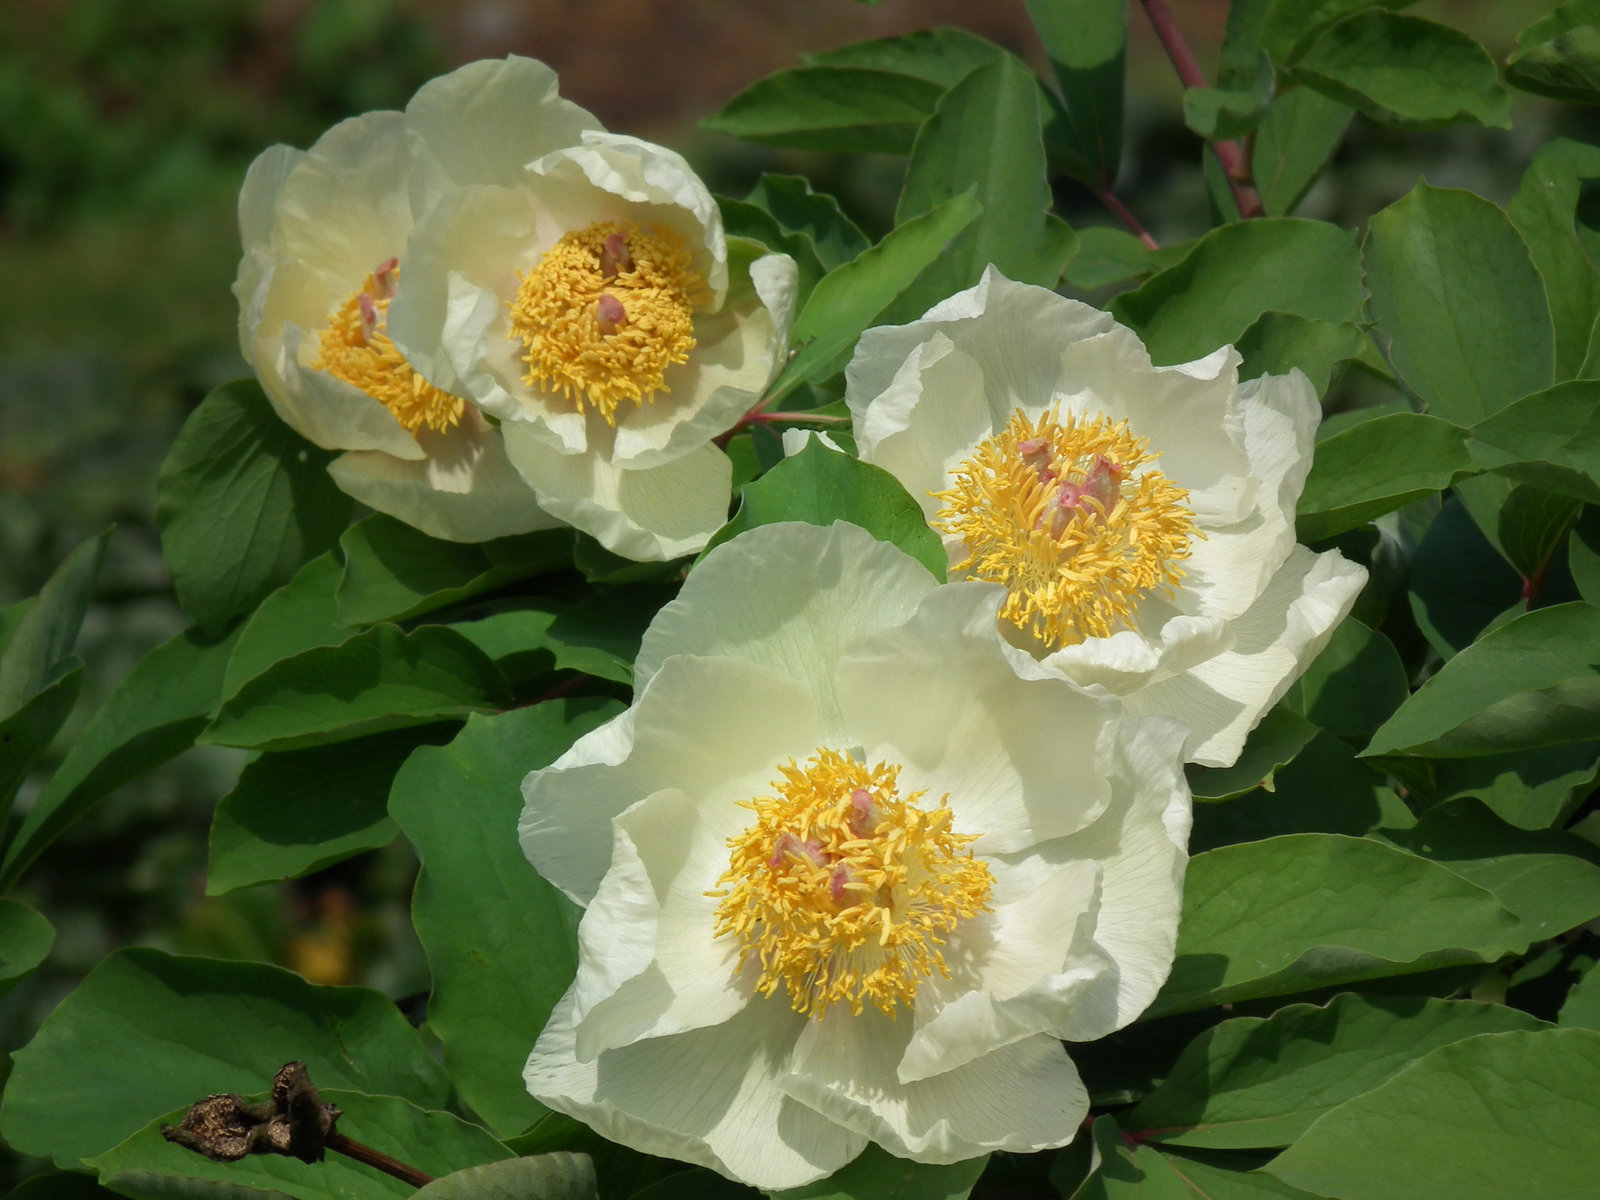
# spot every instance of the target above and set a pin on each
(126, 127)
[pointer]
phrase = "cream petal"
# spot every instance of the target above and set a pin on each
(259, 194)
(465, 490)
(1223, 698)
(484, 122)
(650, 964)
(790, 597)
(652, 514)
(714, 728)
(1023, 1097)
(1019, 758)
(322, 408)
(705, 1097)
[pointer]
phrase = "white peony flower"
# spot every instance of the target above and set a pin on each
(848, 877)
(586, 298)
(325, 245)
(1141, 518)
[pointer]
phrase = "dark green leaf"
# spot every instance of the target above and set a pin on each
(1220, 113)
(1354, 684)
(1293, 143)
(296, 811)
(600, 635)
(301, 615)
(1582, 1008)
(391, 571)
(1288, 25)
(1235, 274)
(1566, 67)
(1531, 682)
(743, 220)
(1086, 41)
(1550, 439)
(816, 216)
(943, 56)
(1251, 1082)
(1459, 583)
(984, 136)
(25, 941)
(1131, 1171)
(44, 635)
(1405, 71)
(498, 969)
(881, 1176)
(1583, 554)
(1456, 296)
(556, 1176)
(848, 110)
(242, 501)
(1544, 211)
(153, 715)
(27, 732)
(1531, 789)
(66, 1185)
(146, 1033)
(821, 486)
(1502, 1114)
(1105, 256)
(379, 680)
(851, 297)
(1272, 744)
(148, 1167)
(1376, 467)
(1305, 911)
(1279, 342)
(1533, 525)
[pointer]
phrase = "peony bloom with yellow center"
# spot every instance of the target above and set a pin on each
(848, 877)
(1140, 518)
(326, 236)
(586, 299)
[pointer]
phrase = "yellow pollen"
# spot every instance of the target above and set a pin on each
(841, 889)
(356, 348)
(1065, 513)
(606, 312)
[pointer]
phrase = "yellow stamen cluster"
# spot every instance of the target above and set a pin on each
(356, 348)
(1064, 513)
(841, 889)
(608, 309)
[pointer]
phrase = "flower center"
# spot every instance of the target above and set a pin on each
(1065, 513)
(606, 312)
(356, 348)
(841, 889)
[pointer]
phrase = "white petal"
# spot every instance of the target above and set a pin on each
(1024, 1097)
(1130, 659)
(1223, 698)
(464, 491)
(714, 728)
(650, 514)
(791, 597)
(484, 122)
(705, 1097)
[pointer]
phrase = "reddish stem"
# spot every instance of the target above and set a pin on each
(1235, 161)
(1125, 215)
(340, 1144)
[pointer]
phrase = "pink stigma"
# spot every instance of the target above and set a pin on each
(609, 314)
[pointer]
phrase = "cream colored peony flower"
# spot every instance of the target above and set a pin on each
(1141, 518)
(848, 877)
(325, 235)
(586, 298)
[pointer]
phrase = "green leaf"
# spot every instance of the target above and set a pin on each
(881, 1176)
(296, 811)
(1459, 584)
(1220, 113)
(1566, 17)
(1405, 71)
(1279, 342)
(555, 1176)
(1376, 467)
(1531, 789)
(1456, 296)
(742, 220)
(1583, 554)
(1354, 684)
(153, 714)
(1502, 1114)
(242, 501)
(436, 1143)
(1582, 1007)
(600, 635)
(1259, 1083)
(1550, 439)
(379, 680)
(1305, 911)
(943, 56)
(1531, 682)
(1086, 41)
(815, 216)
(1143, 1172)
(1545, 212)
(984, 137)
(1106, 256)
(301, 615)
(498, 969)
(1286, 29)
(1567, 67)
(1533, 526)
(1293, 144)
(35, 655)
(392, 571)
(847, 110)
(66, 1185)
(27, 732)
(1235, 274)
(146, 1033)
(851, 297)
(25, 941)
(820, 486)
(1272, 744)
